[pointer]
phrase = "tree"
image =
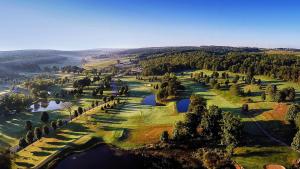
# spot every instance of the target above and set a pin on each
(46, 130)
(292, 112)
(210, 122)
(235, 90)
(80, 110)
(191, 121)
(37, 133)
(75, 113)
(67, 106)
(245, 108)
(22, 142)
(271, 90)
(53, 125)
(180, 132)
(231, 129)
(263, 96)
(59, 123)
(197, 104)
(45, 117)
(29, 137)
(296, 142)
(164, 136)
(28, 125)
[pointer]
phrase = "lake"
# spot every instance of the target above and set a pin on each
(183, 105)
(100, 157)
(46, 106)
(149, 100)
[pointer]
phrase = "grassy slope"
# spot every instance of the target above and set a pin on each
(131, 125)
(269, 114)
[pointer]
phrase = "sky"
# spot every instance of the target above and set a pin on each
(90, 24)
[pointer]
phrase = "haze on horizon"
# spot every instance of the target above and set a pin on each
(75, 25)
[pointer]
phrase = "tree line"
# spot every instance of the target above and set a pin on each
(286, 67)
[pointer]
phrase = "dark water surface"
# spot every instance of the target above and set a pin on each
(183, 105)
(149, 100)
(100, 157)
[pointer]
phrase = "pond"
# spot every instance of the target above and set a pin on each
(183, 105)
(46, 106)
(102, 157)
(149, 100)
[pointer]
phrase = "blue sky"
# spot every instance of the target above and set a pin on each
(86, 24)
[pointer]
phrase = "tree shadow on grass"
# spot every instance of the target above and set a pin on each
(265, 153)
(254, 136)
(49, 148)
(24, 164)
(57, 143)
(40, 153)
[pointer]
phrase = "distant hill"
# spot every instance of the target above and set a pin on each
(33, 60)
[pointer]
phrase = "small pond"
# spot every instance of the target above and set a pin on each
(149, 100)
(100, 157)
(183, 105)
(46, 106)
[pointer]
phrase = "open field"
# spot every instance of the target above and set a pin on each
(134, 124)
(130, 125)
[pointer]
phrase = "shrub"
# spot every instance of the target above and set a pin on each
(46, 130)
(164, 136)
(29, 137)
(80, 110)
(59, 123)
(75, 113)
(22, 142)
(28, 125)
(296, 142)
(245, 108)
(38, 133)
(45, 117)
(53, 125)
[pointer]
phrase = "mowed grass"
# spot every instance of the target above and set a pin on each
(257, 157)
(269, 115)
(130, 125)
(99, 63)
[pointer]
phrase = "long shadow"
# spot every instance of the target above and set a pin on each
(40, 153)
(49, 148)
(254, 136)
(260, 153)
(60, 143)
(24, 164)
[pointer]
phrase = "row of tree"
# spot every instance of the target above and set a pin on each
(216, 126)
(286, 67)
(293, 116)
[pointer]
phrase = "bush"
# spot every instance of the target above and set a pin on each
(59, 123)
(214, 160)
(46, 130)
(53, 125)
(164, 136)
(75, 113)
(29, 137)
(235, 90)
(245, 108)
(28, 125)
(296, 142)
(45, 117)
(38, 133)
(80, 110)
(22, 142)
